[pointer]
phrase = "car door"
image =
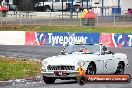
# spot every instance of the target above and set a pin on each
(57, 5)
(99, 64)
(109, 64)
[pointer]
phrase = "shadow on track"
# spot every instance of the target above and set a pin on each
(66, 82)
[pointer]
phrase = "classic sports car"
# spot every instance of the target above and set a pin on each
(93, 58)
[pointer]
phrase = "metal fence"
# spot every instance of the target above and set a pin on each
(114, 20)
(63, 19)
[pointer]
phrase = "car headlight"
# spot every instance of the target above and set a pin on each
(44, 63)
(81, 63)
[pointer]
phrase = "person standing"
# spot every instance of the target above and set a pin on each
(0, 5)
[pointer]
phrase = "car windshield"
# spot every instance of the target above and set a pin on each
(87, 48)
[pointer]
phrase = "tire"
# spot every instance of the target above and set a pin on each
(81, 80)
(91, 69)
(76, 8)
(48, 80)
(47, 9)
(120, 69)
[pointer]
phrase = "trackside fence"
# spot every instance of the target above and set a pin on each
(63, 19)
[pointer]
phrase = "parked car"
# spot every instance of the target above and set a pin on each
(93, 58)
(12, 7)
(57, 5)
(129, 11)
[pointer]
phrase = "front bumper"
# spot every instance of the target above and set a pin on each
(68, 74)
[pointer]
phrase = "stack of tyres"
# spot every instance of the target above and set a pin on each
(88, 18)
(4, 13)
(88, 21)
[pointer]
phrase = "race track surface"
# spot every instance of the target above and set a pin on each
(41, 52)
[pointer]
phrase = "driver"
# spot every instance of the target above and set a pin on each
(83, 50)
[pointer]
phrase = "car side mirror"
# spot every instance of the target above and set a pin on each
(63, 51)
(110, 52)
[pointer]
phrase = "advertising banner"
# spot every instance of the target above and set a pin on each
(106, 38)
(12, 37)
(122, 40)
(63, 38)
(60, 38)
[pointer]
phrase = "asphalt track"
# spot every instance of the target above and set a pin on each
(41, 52)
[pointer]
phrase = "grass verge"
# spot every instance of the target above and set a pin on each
(66, 28)
(18, 68)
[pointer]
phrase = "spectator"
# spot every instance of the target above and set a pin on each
(0, 4)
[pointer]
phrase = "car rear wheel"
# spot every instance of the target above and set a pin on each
(91, 69)
(48, 80)
(120, 68)
(47, 9)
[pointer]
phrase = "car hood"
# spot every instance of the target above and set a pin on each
(69, 59)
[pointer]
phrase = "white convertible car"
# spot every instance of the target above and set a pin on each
(93, 58)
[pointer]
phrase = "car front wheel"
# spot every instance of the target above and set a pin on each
(48, 80)
(81, 80)
(91, 69)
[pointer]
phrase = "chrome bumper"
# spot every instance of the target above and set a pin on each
(68, 74)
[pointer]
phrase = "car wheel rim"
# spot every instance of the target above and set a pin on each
(77, 9)
(47, 10)
(81, 80)
(120, 69)
(91, 70)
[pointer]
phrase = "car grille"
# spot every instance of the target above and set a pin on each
(60, 67)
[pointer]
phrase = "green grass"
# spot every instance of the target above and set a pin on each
(67, 29)
(18, 68)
